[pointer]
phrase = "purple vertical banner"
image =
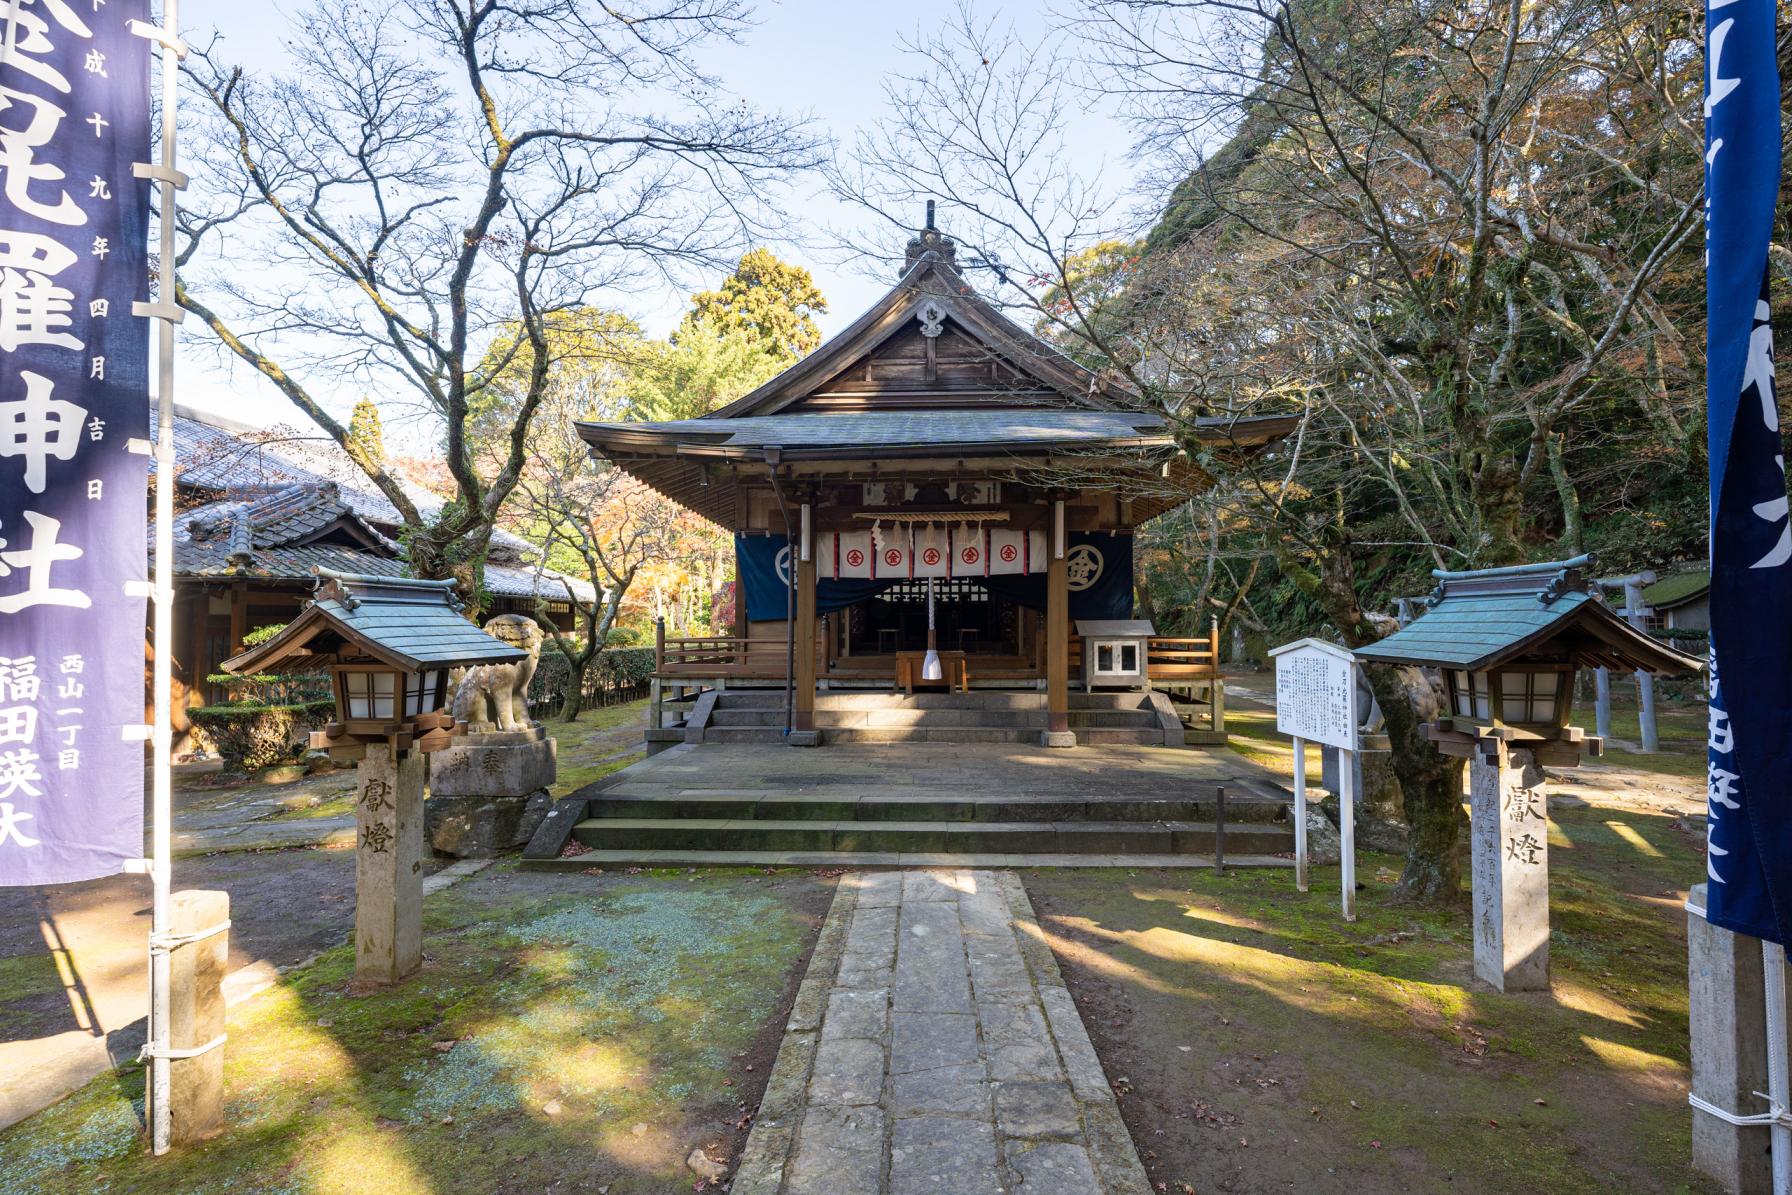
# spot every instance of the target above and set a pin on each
(74, 425)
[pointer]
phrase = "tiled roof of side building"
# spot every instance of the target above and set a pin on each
(215, 453)
(1678, 589)
(270, 525)
(271, 538)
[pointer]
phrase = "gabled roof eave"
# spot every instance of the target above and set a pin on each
(891, 313)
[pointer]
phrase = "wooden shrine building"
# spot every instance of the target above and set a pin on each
(932, 445)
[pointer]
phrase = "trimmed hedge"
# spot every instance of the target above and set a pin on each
(614, 672)
(622, 667)
(250, 735)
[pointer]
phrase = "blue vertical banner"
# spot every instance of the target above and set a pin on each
(1749, 840)
(74, 427)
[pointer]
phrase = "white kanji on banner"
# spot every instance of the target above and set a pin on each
(970, 552)
(1013, 552)
(933, 552)
(852, 555)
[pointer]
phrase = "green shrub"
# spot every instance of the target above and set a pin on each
(251, 735)
(612, 672)
(622, 667)
(266, 688)
(552, 675)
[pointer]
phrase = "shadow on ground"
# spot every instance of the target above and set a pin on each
(567, 1032)
(1259, 1043)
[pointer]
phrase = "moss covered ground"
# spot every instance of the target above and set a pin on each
(567, 1033)
(1261, 1043)
(602, 740)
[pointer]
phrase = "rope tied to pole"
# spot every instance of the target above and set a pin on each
(1776, 1114)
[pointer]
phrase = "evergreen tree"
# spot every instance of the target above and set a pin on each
(364, 429)
(770, 301)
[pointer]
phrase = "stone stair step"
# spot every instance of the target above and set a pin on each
(746, 734)
(985, 699)
(618, 803)
(1108, 737)
(728, 715)
(931, 734)
(946, 837)
(861, 859)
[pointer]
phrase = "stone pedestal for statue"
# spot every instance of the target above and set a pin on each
(488, 792)
(388, 865)
(1510, 831)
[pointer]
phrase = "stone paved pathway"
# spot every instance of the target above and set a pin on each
(934, 1048)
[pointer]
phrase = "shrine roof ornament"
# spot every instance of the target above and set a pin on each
(930, 240)
(1488, 617)
(398, 621)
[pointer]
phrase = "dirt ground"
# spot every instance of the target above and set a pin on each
(1258, 1043)
(285, 906)
(72, 969)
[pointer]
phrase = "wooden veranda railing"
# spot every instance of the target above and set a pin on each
(718, 656)
(1186, 664)
(1174, 658)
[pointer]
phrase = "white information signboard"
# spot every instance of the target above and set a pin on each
(1316, 702)
(1316, 693)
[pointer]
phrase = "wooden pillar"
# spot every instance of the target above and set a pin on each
(1057, 653)
(199, 661)
(802, 715)
(1216, 692)
(239, 615)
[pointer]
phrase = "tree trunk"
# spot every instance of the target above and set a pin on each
(573, 700)
(1430, 782)
(1573, 533)
(1499, 501)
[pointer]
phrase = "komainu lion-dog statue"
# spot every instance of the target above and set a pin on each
(496, 696)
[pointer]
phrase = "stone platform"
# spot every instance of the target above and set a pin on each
(922, 805)
(503, 763)
(934, 1048)
(488, 792)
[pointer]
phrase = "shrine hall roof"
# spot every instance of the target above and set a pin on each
(930, 372)
(1486, 618)
(881, 432)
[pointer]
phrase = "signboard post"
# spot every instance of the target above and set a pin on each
(1316, 702)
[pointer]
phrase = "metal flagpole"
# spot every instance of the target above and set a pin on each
(166, 313)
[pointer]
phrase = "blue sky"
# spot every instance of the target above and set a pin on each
(826, 60)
